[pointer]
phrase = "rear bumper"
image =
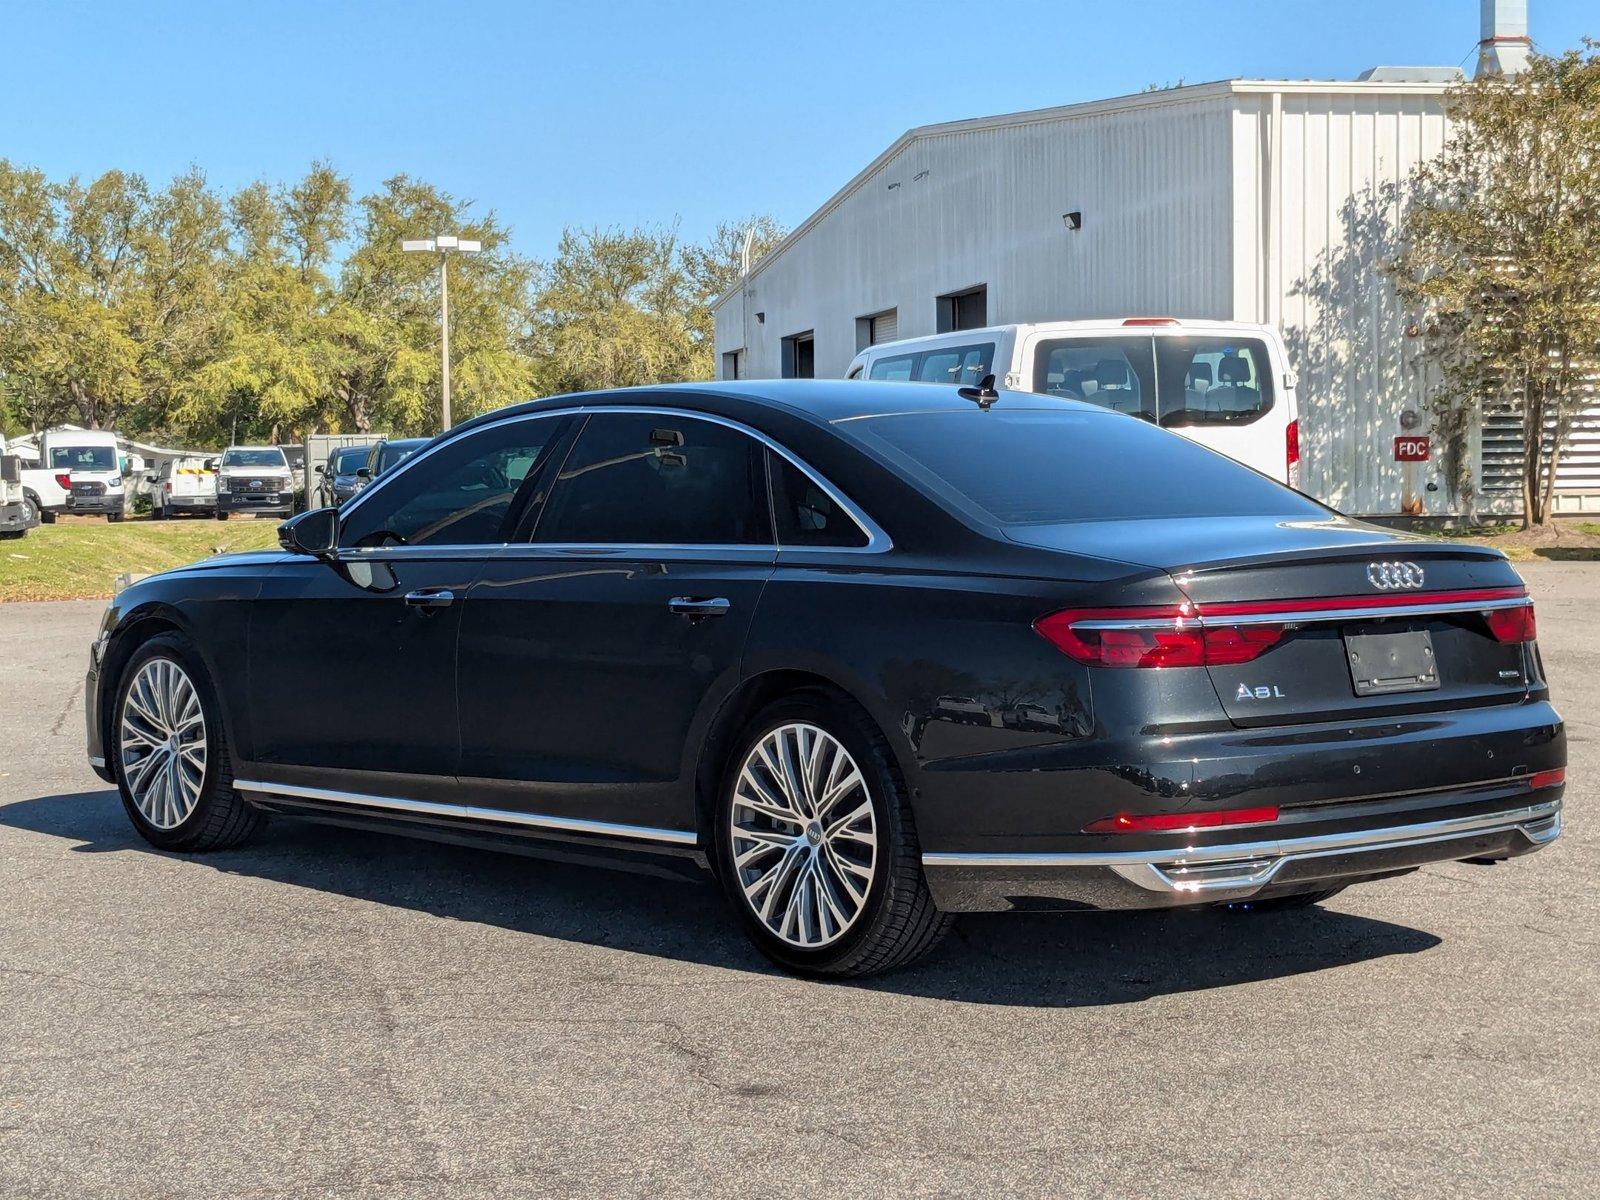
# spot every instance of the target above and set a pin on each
(188, 502)
(15, 518)
(1238, 870)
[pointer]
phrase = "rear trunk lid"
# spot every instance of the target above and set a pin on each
(1332, 618)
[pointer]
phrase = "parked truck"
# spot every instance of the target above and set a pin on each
(18, 514)
(79, 471)
(184, 485)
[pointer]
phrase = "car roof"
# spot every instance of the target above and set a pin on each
(824, 401)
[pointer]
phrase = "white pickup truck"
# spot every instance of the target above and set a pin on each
(184, 485)
(79, 471)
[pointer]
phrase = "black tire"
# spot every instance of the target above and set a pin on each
(1286, 903)
(46, 517)
(221, 818)
(221, 516)
(114, 518)
(898, 922)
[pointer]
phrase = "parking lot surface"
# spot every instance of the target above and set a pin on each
(339, 1013)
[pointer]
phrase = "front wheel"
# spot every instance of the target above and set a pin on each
(221, 516)
(115, 517)
(170, 752)
(816, 846)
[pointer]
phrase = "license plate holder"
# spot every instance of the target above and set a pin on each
(1391, 660)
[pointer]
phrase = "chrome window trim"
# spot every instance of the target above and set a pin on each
(878, 541)
(647, 833)
(1397, 609)
(1279, 849)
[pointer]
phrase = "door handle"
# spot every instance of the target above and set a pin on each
(696, 609)
(429, 601)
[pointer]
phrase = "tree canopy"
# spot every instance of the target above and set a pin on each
(1501, 258)
(180, 313)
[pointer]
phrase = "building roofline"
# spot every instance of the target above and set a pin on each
(1157, 98)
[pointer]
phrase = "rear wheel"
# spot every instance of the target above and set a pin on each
(46, 517)
(816, 846)
(171, 752)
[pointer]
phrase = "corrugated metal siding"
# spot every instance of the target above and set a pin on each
(985, 206)
(885, 327)
(1307, 255)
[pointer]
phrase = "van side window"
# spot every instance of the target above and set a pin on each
(898, 367)
(960, 365)
(1113, 372)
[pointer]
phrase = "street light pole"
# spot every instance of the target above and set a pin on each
(444, 246)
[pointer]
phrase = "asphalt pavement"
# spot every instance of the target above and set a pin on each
(340, 1013)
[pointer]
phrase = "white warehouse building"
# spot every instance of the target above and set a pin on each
(1268, 201)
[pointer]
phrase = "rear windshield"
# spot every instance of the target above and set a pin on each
(254, 458)
(84, 458)
(1171, 381)
(1042, 466)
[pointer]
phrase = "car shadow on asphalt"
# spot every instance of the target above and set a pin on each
(1033, 959)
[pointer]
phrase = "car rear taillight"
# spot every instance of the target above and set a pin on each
(1512, 624)
(1540, 780)
(64, 482)
(1153, 637)
(1291, 453)
(1231, 632)
(1182, 822)
(167, 485)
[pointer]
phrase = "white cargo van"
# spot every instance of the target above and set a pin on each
(1224, 384)
(79, 471)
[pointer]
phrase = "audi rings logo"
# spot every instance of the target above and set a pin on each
(1391, 576)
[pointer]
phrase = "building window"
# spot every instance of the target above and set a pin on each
(877, 329)
(968, 309)
(730, 364)
(800, 356)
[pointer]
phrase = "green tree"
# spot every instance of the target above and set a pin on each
(1501, 257)
(386, 315)
(109, 294)
(277, 354)
(617, 308)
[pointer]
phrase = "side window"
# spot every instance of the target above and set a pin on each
(807, 515)
(654, 479)
(898, 367)
(460, 495)
(956, 364)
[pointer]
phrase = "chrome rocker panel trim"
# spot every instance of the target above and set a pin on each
(1241, 868)
(645, 833)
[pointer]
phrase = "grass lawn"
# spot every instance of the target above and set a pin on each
(80, 557)
(1560, 541)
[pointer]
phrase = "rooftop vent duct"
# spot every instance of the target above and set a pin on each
(1411, 75)
(1503, 44)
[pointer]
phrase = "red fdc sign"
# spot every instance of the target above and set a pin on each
(1410, 448)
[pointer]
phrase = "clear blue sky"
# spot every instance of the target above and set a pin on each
(636, 112)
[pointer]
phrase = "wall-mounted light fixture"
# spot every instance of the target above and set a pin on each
(1072, 220)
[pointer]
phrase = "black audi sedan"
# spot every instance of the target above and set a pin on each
(874, 653)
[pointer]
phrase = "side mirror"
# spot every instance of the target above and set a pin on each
(363, 473)
(315, 532)
(321, 470)
(213, 463)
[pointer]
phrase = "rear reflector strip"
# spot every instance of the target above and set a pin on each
(1540, 780)
(1182, 822)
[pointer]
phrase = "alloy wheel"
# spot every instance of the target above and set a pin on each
(163, 743)
(804, 835)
